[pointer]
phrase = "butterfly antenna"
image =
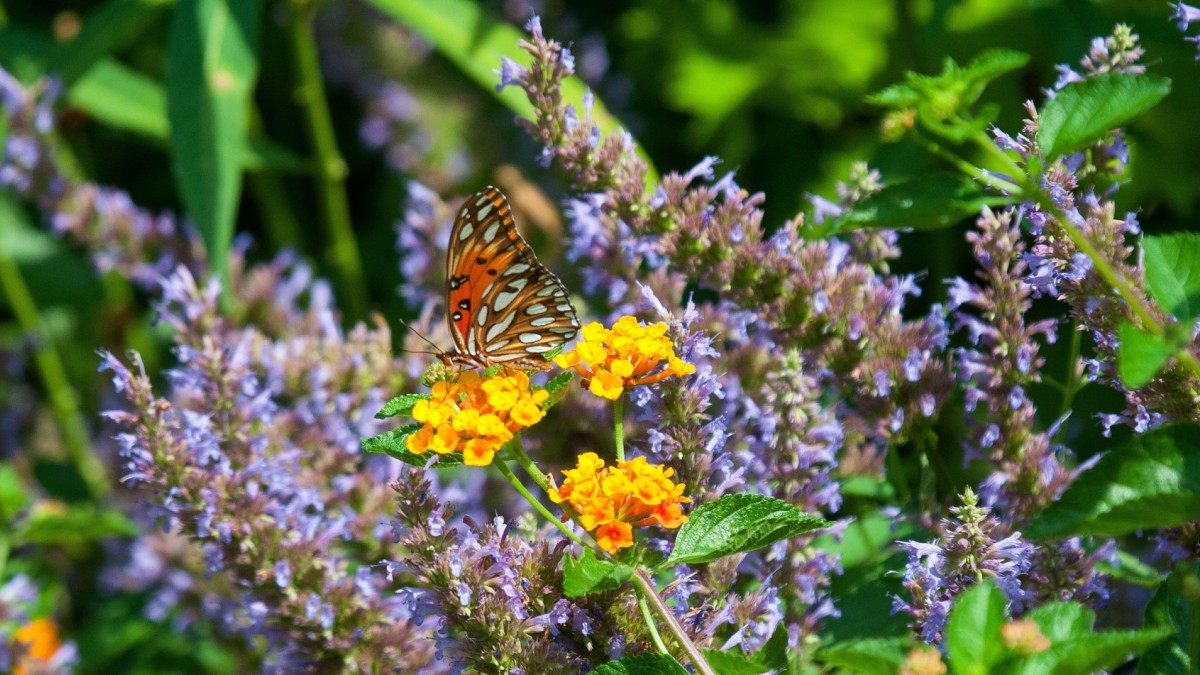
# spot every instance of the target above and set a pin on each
(437, 351)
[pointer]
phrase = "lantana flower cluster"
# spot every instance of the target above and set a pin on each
(611, 500)
(610, 361)
(475, 415)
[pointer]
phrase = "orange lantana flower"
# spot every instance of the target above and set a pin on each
(610, 501)
(611, 361)
(41, 641)
(475, 415)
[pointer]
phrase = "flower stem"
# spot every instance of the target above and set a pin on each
(517, 450)
(63, 400)
(650, 593)
(650, 624)
(537, 505)
(619, 426)
(330, 168)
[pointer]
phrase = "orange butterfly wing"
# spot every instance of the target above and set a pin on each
(502, 305)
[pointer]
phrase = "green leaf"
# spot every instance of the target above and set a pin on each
(392, 443)
(1172, 610)
(1140, 354)
(1093, 652)
(211, 69)
(557, 386)
(75, 524)
(401, 405)
(588, 574)
(1082, 112)
(642, 664)
(736, 523)
(114, 26)
(774, 653)
(471, 39)
(933, 201)
(13, 496)
(1172, 265)
(973, 643)
(1152, 481)
(733, 662)
(1061, 621)
(869, 657)
(122, 98)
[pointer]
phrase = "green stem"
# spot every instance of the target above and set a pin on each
(650, 593)
(63, 400)
(651, 625)
(331, 169)
(517, 450)
(1071, 384)
(970, 170)
(619, 426)
(537, 505)
(1117, 281)
(279, 220)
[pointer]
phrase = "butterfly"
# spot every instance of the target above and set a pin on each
(503, 307)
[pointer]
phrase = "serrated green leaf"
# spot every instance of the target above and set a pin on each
(557, 388)
(211, 70)
(1152, 481)
(1140, 354)
(1172, 264)
(588, 574)
(736, 523)
(1082, 112)
(642, 664)
(1172, 610)
(392, 443)
(933, 201)
(400, 405)
(866, 657)
(973, 643)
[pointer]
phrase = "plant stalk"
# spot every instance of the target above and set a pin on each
(650, 593)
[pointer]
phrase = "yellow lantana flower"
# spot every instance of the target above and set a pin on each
(611, 501)
(610, 361)
(41, 641)
(475, 415)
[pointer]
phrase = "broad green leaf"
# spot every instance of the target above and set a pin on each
(734, 662)
(867, 657)
(1140, 354)
(557, 386)
(1092, 653)
(392, 443)
(471, 39)
(930, 202)
(736, 523)
(1082, 112)
(1170, 609)
(1152, 481)
(973, 641)
(1172, 264)
(642, 664)
(211, 69)
(1128, 568)
(1060, 621)
(112, 27)
(400, 405)
(588, 574)
(75, 524)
